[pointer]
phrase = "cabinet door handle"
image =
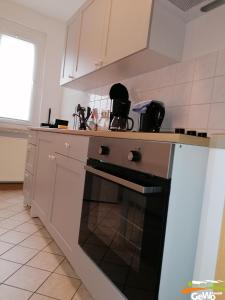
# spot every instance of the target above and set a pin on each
(67, 145)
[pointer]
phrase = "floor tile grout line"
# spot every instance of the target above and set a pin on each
(39, 251)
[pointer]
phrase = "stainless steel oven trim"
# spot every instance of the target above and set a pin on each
(130, 185)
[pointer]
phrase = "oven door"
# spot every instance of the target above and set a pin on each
(122, 230)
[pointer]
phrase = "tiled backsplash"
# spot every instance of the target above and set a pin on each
(193, 93)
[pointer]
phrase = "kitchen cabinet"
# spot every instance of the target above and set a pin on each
(44, 180)
(67, 200)
(30, 169)
(128, 28)
(71, 51)
(92, 37)
(121, 39)
(58, 186)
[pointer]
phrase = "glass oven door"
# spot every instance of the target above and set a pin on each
(123, 227)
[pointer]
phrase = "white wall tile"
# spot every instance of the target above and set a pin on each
(185, 71)
(167, 76)
(219, 89)
(205, 66)
(199, 116)
(220, 69)
(181, 94)
(202, 91)
(217, 116)
(176, 117)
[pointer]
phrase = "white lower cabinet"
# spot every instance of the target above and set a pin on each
(58, 187)
(67, 201)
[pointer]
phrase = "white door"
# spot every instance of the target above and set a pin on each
(128, 28)
(72, 47)
(92, 40)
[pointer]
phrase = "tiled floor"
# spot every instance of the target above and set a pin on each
(31, 264)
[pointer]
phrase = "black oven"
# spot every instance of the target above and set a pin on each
(123, 224)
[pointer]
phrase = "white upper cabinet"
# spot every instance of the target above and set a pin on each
(71, 51)
(92, 37)
(124, 38)
(128, 28)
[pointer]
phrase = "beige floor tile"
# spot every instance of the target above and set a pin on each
(7, 268)
(35, 242)
(28, 228)
(43, 232)
(6, 213)
(66, 269)
(3, 230)
(82, 294)
(40, 297)
(20, 254)
(53, 248)
(9, 224)
(59, 287)
(13, 237)
(11, 293)
(21, 217)
(46, 261)
(5, 247)
(17, 208)
(28, 278)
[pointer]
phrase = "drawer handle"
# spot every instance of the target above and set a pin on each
(67, 145)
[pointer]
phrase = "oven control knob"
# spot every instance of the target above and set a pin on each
(134, 156)
(103, 150)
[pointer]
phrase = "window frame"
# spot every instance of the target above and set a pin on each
(38, 39)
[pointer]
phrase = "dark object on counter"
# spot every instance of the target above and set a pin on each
(180, 130)
(120, 109)
(59, 122)
(151, 120)
(49, 119)
(192, 132)
(81, 111)
(202, 134)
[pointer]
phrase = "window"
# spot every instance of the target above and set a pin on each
(17, 63)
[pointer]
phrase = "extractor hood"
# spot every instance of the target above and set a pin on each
(186, 5)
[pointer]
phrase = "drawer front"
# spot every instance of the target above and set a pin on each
(28, 188)
(32, 137)
(72, 146)
(62, 144)
(31, 152)
(79, 148)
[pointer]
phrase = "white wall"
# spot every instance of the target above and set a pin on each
(51, 93)
(71, 98)
(205, 34)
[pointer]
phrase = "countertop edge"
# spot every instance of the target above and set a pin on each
(159, 137)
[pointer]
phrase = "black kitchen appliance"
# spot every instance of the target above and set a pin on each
(124, 212)
(120, 108)
(151, 120)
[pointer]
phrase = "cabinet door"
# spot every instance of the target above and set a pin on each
(67, 201)
(31, 150)
(128, 28)
(28, 188)
(44, 177)
(72, 46)
(92, 37)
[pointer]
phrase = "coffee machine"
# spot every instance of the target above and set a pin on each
(120, 108)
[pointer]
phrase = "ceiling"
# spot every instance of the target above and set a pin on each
(60, 9)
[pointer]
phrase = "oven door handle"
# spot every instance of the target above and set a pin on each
(128, 184)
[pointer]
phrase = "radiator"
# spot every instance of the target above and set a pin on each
(12, 159)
